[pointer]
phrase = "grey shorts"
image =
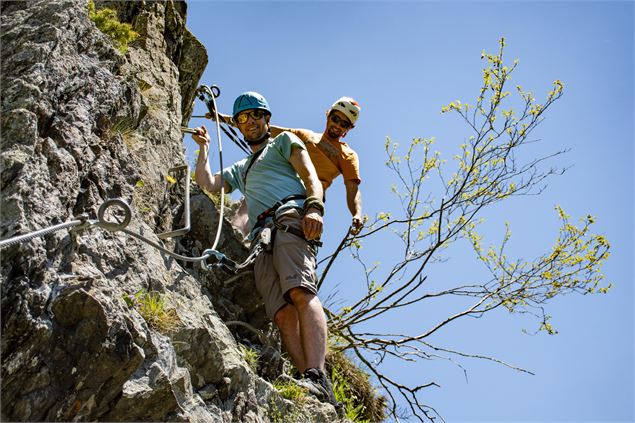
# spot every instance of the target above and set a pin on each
(291, 264)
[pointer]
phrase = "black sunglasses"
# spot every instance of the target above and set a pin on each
(341, 122)
(255, 115)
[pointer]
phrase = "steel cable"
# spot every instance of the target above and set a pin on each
(115, 227)
(41, 232)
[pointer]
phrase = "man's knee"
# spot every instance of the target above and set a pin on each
(301, 296)
(284, 317)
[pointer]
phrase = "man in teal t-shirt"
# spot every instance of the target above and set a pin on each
(270, 177)
(285, 277)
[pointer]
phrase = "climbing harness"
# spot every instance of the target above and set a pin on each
(271, 211)
(268, 234)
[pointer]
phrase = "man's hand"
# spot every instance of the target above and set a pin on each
(312, 224)
(356, 225)
(201, 137)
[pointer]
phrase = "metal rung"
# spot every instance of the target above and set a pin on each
(185, 229)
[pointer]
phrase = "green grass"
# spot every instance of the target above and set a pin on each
(250, 356)
(215, 197)
(154, 309)
(281, 414)
(344, 394)
(290, 391)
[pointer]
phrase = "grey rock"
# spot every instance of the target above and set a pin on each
(82, 123)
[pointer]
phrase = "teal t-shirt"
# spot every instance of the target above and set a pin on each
(271, 178)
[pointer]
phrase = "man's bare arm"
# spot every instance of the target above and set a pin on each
(203, 173)
(354, 202)
(302, 164)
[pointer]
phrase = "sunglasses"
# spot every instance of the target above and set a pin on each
(255, 115)
(341, 122)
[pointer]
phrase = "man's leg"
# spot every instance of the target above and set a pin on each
(280, 311)
(286, 320)
(294, 261)
(312, 328)
(313, 334)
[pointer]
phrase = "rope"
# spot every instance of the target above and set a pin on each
(222, 181)
(240, 143)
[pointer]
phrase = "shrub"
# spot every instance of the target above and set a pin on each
(107, 22)
(352, 387)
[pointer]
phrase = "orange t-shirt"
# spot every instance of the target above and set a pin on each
(330, 159)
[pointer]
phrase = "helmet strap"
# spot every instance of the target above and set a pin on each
(264, 138)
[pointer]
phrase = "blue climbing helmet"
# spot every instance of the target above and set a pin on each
(250, 100)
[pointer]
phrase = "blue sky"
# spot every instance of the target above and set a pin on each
(403, 61)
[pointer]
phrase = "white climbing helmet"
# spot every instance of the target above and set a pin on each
(348, 106)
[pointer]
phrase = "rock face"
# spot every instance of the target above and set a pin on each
(82, 123)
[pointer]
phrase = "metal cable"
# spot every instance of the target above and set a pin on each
(121, 226)
(103, 223)
(41, 232)
(163, 249)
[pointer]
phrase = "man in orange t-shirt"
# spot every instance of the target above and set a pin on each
(329, 154)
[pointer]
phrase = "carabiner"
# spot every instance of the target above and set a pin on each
(221, 261)
(205, 93)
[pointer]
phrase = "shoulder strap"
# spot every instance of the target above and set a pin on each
(253, 160)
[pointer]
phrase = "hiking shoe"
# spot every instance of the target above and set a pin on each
(319, 378)
(311, 387)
